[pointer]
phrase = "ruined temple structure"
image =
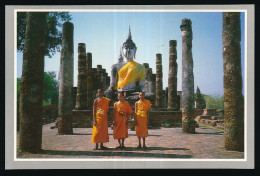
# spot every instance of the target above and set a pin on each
(210, 117)
(166, 103)
(89, 80)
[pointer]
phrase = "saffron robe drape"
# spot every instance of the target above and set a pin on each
(121, 109)
(100, 131)
(141, 116)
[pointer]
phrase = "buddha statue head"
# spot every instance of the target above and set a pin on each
(129, 48)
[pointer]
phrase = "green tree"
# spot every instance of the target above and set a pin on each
(214, 102)
(53, 32)
(50, 88)
(18, 86)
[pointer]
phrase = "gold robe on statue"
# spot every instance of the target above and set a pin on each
(129, 74)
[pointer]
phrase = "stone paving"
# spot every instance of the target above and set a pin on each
(162, 143)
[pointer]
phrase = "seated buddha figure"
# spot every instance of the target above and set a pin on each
(129, 75)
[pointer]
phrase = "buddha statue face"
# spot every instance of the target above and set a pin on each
(129, 48)
(129, 51)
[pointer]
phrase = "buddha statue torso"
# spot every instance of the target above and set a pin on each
(129, 75)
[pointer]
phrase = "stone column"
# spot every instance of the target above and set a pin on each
(90, 84)
(188, 122)
(149, 84)
(172, 78)
(81, 99)
(95, 80)
(153, 81)
(99, 77)
(104, 79)
(66, 81)
(32, 83)
(166, 96)
(159, 84)
(233, 100)
(89, 61)
(108, 80)
(146, 66)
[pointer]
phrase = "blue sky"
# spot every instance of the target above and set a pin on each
(105, 32)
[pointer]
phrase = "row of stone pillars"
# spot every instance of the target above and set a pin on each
(89, 80)
(172, 99)
(30, 122)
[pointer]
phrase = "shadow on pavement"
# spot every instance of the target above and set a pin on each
(89, 134)
(114, 153)
(165, 148)
(216, 133)
(148, 135)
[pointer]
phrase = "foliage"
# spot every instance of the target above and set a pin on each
(54, 30)
(50, 89)
(198, 93)
(18, 89)
(166, 124)
(214, 102)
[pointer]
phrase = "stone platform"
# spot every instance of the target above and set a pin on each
(162, 143)
(83, 118)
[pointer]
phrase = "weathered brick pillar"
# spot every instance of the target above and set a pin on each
(95, 80)
(90, 84)
(233, 101)
(32, 83)
(149, 84)
(159, 84)
(108, 81)
(188, 122)
(81, 99)
(153, 81)
(99, 76)
(172, 78)
(146, 66)
(66, 81)
(103, 79)
(89, 61)
(166, 96)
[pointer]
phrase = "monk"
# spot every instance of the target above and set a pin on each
(100, 124)
(122, 110)
(142, 108)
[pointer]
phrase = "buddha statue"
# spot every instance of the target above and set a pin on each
(126, 76)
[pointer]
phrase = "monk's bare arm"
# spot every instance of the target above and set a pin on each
(114, 114)
(148, 116)
(135, 114)
(94, 112)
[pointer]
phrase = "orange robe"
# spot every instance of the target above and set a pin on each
(120, 130)
(141, 115)
(100, 131)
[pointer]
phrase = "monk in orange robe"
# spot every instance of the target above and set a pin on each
(122, 110)
(100, 124)
(142, 118)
